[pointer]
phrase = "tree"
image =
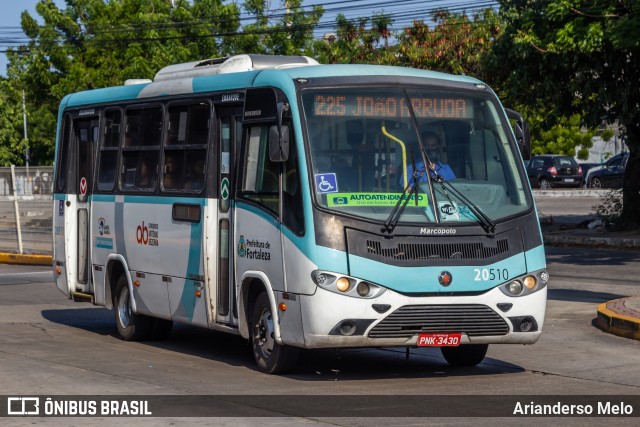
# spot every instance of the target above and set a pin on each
(100, 43)
(285, 31)
(576, 57)
(356, 44)
(11, 144)
(455, 44)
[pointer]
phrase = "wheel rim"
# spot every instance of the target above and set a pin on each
(263, 333)
(124, 308)
(596, 183)
(544, 184)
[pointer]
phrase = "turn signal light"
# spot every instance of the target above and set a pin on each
(136, 283)
(58, 271)
(342, 284)
(530, 282)
(198, 294)
(282, 306)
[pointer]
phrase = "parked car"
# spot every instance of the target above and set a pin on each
(554, 170)
(586, 167)
(608, 175)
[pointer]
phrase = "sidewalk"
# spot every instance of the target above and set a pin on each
(619, 317)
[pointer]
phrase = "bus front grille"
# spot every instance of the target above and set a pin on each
(437, 251)
(472, 319)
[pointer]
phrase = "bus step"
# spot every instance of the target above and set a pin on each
(81, 297)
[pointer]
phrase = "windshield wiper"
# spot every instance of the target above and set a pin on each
(394, 216)
(487, 223)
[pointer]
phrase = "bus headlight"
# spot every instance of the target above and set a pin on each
(514, 287)
(346, 285)
(525, 284)
(363, 289)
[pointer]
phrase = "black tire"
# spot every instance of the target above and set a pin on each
(596, 183)
(545, 184)
(271, 357)
(465, 355)
(131, 326)
(161, 329)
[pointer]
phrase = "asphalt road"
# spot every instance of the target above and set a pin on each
(52, 346)
(570, 210)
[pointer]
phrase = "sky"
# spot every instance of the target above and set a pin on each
(405, 11)
(10, 22)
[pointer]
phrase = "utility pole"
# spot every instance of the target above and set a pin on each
(26, 137)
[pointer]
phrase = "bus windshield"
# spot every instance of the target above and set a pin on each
(365, 147)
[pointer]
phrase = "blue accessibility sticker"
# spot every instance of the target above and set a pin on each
(326, 183)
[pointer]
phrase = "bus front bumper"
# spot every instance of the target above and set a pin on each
(334, 320)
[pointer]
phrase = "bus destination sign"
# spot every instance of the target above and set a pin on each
(346, 105)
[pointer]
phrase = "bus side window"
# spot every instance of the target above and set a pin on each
(141, 149)
(292, 214)
(185, 149)
(109, 150)
(260, 180)
(63, 155)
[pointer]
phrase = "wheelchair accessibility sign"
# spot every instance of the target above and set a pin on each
(326, 183)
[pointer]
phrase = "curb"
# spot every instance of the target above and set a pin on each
(616, 323)
(28, 259)
(603, 242)
(576, 192)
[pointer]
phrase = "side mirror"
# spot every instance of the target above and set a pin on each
(279, 143)
(521, 131)
(261, 106)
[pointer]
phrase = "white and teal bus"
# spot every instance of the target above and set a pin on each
(289, 202)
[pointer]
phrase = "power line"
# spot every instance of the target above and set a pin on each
(401, 19)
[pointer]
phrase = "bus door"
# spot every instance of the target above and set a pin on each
(229, 127)
(77, 208)
(86, 132)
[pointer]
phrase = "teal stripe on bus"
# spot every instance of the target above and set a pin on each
(425, 279)
(188, 299)
(105, 95)
(535, 259)
(305, 244)
(103, 198)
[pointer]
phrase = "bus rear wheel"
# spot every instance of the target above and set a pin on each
(131, 326)
(271, 357)
(465, 355)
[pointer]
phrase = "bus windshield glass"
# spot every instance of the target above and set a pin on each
(365, 150)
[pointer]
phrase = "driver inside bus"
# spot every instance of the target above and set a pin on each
(431, 143)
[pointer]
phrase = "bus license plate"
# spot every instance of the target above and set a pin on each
(439, 340)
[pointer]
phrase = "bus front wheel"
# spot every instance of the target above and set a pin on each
(465, 355)
(271, 357)
(131, 326)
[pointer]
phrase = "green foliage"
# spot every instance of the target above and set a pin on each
(292, 35)
(575, 57)
(455, 44)
(11, 144)
(100, 43)
(609, 209)
(607, 134)
(564, 137)
(361, 41)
